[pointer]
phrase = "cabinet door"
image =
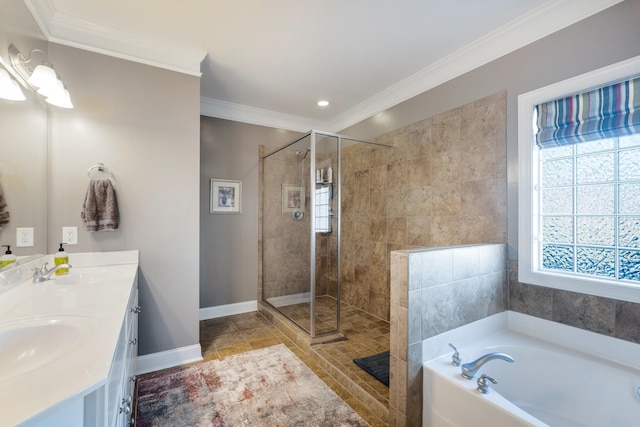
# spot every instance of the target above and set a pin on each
(120, 385)
(116, 374)
(129, 380)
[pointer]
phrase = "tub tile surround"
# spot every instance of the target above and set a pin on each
(439, 289)
(433, 291)
(614, 318)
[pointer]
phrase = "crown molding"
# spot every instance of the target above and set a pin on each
(546, 19)
(551, 16)
(256, 116)
(70, 31)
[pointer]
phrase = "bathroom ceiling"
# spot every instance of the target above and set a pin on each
(269, 61)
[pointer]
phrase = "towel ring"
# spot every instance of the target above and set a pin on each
(101, 168)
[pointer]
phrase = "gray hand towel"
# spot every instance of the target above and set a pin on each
(100, 207)
(4, 209)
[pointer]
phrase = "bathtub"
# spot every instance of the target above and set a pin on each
(562, 376)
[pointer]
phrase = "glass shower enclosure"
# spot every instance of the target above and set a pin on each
(303, 197)
(301, 232)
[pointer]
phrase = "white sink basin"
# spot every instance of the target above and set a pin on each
(30, 343)
(88, 276)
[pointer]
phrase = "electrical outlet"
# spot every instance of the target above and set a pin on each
(24, 237)
(70, 235)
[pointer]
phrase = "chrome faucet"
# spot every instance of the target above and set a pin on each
(469, 369)
(43, 274)
(455, 358)
(483, 383)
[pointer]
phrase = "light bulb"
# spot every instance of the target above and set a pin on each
(43, 76)
(61, 99)
(9, 88)
(51, 89)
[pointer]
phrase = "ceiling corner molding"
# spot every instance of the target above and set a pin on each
(241, 113)
(42, 11)
(548, 18)
(70, 31)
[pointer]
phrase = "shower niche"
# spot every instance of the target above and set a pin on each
(301, 229)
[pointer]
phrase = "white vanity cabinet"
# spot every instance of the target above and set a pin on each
(85, 376)
(124, 381)
(112, 404)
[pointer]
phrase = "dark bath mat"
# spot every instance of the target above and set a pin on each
(377, 365)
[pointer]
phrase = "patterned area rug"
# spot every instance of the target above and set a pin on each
(266, 387)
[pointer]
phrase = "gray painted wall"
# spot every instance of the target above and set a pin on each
(229, 243)
(143, 124)
(608, 37)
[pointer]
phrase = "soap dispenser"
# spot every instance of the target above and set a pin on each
(8, 257)
(61, 258)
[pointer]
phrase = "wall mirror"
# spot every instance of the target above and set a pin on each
(23, 142)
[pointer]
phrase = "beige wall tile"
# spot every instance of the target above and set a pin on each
(419, 230)
(419, 201)
(418, 172)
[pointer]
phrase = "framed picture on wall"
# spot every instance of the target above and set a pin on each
(226, 196)
(292, 198)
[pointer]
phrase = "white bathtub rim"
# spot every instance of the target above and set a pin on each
(499, 329)
(582, 341)
(495, 400)
(593, 344)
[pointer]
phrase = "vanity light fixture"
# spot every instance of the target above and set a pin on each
(41, 78)
(9, 88)
(323, 103)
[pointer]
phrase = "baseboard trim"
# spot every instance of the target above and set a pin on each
(228, 309)
(168, 359)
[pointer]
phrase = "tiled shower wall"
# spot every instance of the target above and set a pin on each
(442, 184)
(434, 291)
(286, 241)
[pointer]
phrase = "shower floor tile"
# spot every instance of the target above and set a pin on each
(326, 314)
(366, 335)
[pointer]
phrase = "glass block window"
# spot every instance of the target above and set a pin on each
(579, 183)
(589, 208)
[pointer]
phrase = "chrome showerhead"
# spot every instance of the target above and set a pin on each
(305, 153)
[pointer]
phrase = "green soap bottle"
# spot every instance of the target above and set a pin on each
(8, 257)
(61, 258)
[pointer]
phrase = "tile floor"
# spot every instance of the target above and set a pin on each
(326, 314)
(332, 362)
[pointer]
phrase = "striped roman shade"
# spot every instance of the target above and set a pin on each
(601, 113)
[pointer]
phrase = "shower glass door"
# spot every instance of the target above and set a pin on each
(301, 232)
(285, 231)
(325, 232)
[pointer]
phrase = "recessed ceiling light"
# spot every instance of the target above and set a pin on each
(323, 103)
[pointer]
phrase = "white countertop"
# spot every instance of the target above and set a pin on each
(83, 314)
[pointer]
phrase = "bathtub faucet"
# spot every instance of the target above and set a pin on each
(469, 369)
